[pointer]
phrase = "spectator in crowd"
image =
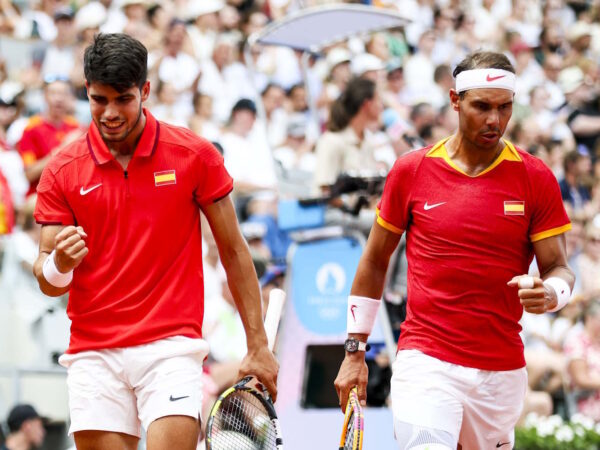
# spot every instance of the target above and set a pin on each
(167, 108)
(178, 68)
(345, 146)
(224, 77)
(295, 154)
(26, 429)
(59, 58)
(273, 97)
(588, 262)
(582, 349)
(582, 109)
(572, 187)
(201, 121)
(247, 159)
(338, 74)
(7, 215)
(204, 28)
(46, 134)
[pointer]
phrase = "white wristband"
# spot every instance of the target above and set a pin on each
(362, 312)
(562, 289)
(53, 276)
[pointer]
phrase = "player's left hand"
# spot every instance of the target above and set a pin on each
(261, 363)
(536, 298)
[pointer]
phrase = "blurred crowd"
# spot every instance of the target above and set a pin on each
(360, 105)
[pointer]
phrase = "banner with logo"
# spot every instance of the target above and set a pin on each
(319, 278)
(321, 281)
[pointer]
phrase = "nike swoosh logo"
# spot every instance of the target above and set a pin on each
(174, 399)
(500, 444)
(490, 79)
(428, 207)
(352, 308)
(87, 191)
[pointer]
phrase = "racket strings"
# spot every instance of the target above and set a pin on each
(242, 423)
(350, 433)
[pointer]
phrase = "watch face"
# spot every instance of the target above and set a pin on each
(351, 345)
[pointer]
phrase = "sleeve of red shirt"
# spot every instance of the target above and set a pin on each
(27, 148)
(51, 207)
(393, 208)
(549, 217)
(215, 182)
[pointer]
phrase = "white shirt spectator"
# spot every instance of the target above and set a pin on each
(249, 159)
(226, 87)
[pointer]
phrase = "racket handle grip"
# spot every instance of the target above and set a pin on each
(276, 301)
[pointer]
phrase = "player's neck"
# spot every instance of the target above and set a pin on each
(470, 158)
(124, 150)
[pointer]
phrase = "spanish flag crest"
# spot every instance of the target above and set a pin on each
(165, 177)
(514, 208)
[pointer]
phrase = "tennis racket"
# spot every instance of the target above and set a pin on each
(354, 424)
(243, 418)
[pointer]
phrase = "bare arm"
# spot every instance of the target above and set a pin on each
(581, 376)
(368, 282)
(584, 125)
(243, 283)
(70, 250)
(551, 256)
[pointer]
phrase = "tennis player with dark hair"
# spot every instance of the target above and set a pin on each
(475, 210)
(120, 210)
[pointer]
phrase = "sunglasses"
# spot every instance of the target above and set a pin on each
(53, 77)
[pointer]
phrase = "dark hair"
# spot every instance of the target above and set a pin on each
(117, 60)
(347, 105)
(268, 87)
(483, 60)
(570, 160)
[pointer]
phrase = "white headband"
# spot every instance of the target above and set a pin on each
(485, 79)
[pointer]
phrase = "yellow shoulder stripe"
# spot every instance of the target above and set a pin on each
(549, 233)
(388, 226)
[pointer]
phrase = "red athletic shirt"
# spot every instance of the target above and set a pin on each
(466, 238)
(7, 216)
(40, 137)
(142, 278)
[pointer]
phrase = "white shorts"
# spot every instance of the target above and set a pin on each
(122, 389)
(478, 408)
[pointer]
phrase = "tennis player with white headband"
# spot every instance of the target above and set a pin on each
(476, 210)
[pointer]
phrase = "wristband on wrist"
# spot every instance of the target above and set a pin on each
(52, 274)
(562, 289)
(362, 312)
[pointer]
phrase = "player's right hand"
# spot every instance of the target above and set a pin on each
(70, 248)
(353, 372)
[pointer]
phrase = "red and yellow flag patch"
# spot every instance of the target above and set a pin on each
(514, 208)
(165, 177)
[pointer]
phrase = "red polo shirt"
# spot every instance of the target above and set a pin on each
(466, 237)
(40, 137)
(142, 278)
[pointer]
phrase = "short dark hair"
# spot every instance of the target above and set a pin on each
(484, 60)
(117, 60)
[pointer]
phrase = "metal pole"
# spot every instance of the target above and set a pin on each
(310, 100)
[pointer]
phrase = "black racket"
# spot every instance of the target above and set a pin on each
(243, 418)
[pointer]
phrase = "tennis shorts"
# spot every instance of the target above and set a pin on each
(478, 408)
(122, 389)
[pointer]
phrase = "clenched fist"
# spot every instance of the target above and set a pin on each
(70, 248)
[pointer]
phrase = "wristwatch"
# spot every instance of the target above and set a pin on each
(353, 345)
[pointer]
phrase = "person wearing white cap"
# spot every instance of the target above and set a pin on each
(204, 28)
(368, 66)
(476, 210)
